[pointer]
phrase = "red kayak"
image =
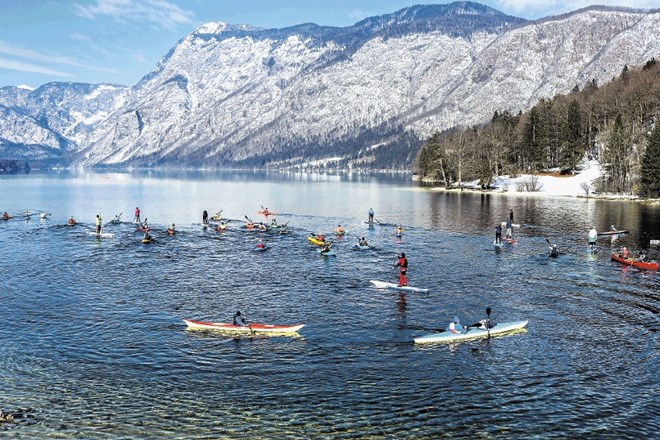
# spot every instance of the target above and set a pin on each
(251, 328)
(648, 265)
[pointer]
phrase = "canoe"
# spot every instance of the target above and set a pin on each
(473, 333)
(392, 286)
(622, 231)
(313, 240)
(252, 328)
(648, 265)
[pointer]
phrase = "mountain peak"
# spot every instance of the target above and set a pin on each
(218, 27)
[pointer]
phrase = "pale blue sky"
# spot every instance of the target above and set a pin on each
(120, 41)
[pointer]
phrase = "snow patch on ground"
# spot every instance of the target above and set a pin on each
(556, 186)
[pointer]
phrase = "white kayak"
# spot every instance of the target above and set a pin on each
(385, 285)
(358, 247)
(472, 333)
(251, 328)
(102, 234)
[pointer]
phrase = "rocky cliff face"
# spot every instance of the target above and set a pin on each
(238, 94)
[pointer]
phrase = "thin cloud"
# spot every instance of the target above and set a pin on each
(544, 8)
(159, 13)
(359, 14)
(32, 55)
(9, 64)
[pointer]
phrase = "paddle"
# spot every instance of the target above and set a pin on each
(249, 220)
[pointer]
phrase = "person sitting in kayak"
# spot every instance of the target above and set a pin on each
(363, 242)
(6, 216)
(326, 247)
(402, 264)
(262, 226)
(171, 229)
(498, 234)
(339, 230)
(624, 252)
(455, 326)
(221, 227)
(260, 244)
(554, 250)
(320, 237)
(71, 221)
(238, 319)
(398, 230)
(273, 223)
(147, 236)
(145, 225)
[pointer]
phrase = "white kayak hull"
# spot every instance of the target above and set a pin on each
(252, 328)
(392, 286)
(473, 333)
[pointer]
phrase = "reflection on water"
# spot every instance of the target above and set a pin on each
(95, 345)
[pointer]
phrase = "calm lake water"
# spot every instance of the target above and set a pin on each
(92, 342)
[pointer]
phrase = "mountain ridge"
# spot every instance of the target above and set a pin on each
(249, 96)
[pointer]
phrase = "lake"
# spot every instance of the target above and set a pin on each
(94, 346)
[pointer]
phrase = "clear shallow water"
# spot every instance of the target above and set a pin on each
(94, 345)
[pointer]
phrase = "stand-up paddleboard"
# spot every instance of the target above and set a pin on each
(101, 235)
(513, 225)
(392, 286)
(498, 245)
(471, 333)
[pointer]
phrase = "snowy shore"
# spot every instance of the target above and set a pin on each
(581, 184)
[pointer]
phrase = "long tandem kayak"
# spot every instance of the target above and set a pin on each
(385, 285)
(472, 333)
(648, 265)
(252, 328)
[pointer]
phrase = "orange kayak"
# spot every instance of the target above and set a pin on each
(648, 265)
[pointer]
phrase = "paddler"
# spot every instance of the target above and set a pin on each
(98, 223)
(371, 215)
(339, 230)
(498, 234)
(238, 319)
(205, 217)
(260, 244)
(71, 221)
(402, 264)
(6, 216)
(136, 219)
(593, 236)
(455, 326)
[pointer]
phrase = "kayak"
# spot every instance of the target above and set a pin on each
(472, 333)
(252, 328)
(170, 231)
(146, 240)
(509, 240)
(649, 265)
(102, 235)
(260, 249)
(358, 247)
(622, 231)
(326, 254)
(385, 285)
(266, 212)
(313, 240)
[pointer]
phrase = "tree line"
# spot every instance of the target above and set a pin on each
(615, 123)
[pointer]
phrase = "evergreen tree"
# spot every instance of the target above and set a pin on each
(650, 170)
(573, 145)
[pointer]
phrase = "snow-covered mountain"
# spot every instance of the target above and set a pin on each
(227, 95)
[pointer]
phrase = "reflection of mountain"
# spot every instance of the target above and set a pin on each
(364, 95)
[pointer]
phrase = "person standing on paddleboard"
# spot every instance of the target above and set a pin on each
(498, 234)
(593, 236)
(136, 219)
(509, 229)
(511, 215)
(402, 264)
(98, 223)
(205, 217)
(371, 215)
